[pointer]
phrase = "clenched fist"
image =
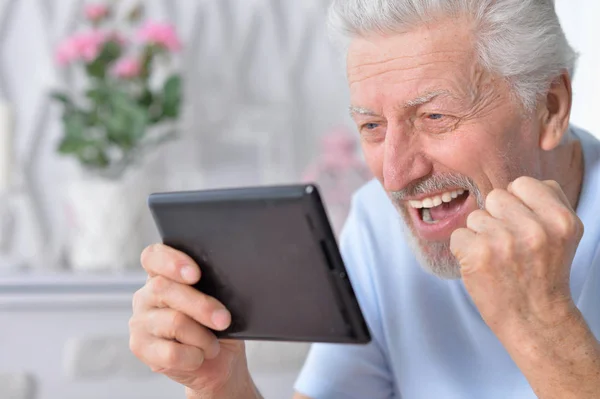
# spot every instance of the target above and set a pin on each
(516, 256)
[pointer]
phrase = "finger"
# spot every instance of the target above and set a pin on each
(558, 191)
(160, 292)
(460, 242)
(161, 260)
(164, 355)
(503, 205)
(480, 221)
(173, 325)
(548, 206)
(535, 194)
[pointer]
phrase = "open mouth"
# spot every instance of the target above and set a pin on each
(438, 208)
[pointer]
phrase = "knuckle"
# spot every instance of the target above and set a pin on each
(178, 323)
(484, 253)
(494, 197)
(523, 180)
(172, 357)
(152, 248)
(475, 217)
(134, 345)
(537, 239)
(566, 222)
(521, 184)
(554, 184)
(132, 324)
(159, 285)
(507, 242)
(137, 300)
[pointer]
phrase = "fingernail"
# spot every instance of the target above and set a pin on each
(189, 274)
(221, 319)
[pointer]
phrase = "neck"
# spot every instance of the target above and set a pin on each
(569, 155)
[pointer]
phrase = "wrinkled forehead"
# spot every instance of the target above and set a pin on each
(426, 59)
(445, 41)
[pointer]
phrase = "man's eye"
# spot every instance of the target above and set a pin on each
(370, 126)
(436, 123)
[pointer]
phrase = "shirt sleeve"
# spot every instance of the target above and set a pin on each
(341, 371)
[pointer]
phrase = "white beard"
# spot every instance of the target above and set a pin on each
(436, 258)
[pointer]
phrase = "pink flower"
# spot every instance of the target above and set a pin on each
(96, 12)
(67, 52)
(127, 68)
(83, 46)
(90, 44)
(160, 34)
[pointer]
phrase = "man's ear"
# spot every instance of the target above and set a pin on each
(555, 112)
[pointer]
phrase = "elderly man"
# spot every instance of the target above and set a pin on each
(486, 285)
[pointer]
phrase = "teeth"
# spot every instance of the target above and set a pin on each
(432, 202)
(416, 204)
(427, 216)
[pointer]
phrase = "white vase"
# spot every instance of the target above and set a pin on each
(105, 221)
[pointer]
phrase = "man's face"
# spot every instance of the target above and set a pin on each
(437, 131)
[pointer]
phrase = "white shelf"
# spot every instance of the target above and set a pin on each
(62, 290)
(69, 280)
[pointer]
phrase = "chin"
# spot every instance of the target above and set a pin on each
(434, 257)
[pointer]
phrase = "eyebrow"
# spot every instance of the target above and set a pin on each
(425, 98)
(362, 111)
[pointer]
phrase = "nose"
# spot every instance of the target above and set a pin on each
(404, 160)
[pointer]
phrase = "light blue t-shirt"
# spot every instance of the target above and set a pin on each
(429, 340)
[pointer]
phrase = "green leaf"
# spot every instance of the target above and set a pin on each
(146, 98)
(116, 126)
(96, 94)
(128, 121)
(110, 52)
(62, 97)
(94, 156)
(172, 96)
(74, 123)
(70, 145)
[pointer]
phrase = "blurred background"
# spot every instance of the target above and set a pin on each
(103, 103)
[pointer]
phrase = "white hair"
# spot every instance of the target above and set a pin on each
(520, 40)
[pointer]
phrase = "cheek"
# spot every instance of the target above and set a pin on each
(476, 154)
(374, 157)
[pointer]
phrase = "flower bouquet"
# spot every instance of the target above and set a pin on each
(106, 125)
(126, 101)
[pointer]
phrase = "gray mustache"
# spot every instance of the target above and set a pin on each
(439, 183)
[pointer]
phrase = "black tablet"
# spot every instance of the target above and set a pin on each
(270, 256)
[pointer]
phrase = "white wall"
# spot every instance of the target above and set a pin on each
(580, 21)
(262, 84)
